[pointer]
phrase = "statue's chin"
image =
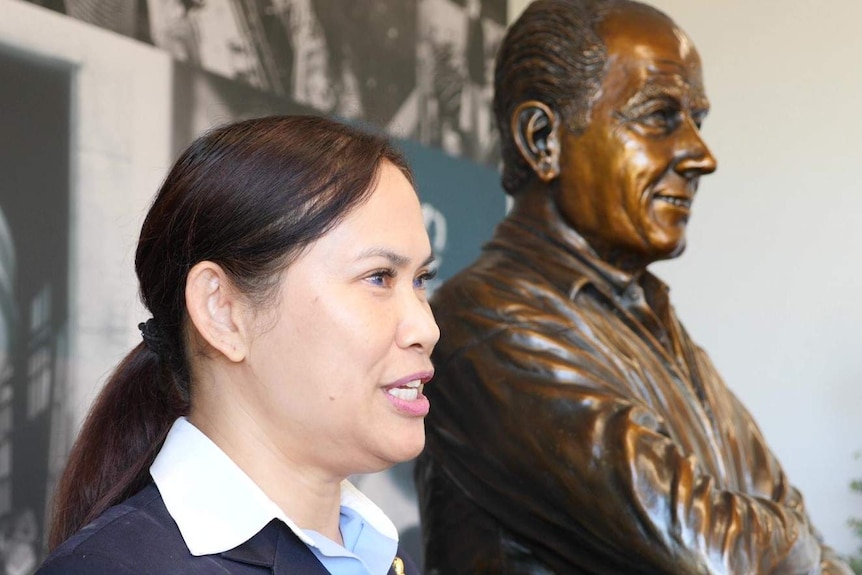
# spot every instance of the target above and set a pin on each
(667, 251)
(676, 251)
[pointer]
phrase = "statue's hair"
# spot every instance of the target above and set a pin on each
(554, 54)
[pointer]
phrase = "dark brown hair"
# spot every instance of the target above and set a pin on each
(552, 53)
(248, 196)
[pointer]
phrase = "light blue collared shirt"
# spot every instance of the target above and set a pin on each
(218, 507)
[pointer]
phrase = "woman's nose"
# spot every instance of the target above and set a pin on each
(417, 327)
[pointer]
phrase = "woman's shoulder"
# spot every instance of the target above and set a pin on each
(136, 536)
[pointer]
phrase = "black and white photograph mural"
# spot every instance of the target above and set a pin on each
(455, 71)
(419, 69)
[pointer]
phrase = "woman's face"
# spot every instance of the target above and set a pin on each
(338, 366)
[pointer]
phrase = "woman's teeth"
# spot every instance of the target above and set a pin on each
(408, 392)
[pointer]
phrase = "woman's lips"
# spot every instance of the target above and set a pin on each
(407, 397)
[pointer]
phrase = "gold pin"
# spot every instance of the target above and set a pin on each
(398, 566)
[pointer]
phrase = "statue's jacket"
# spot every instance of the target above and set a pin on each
(576, 428)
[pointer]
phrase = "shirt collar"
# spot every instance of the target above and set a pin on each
(563, 256)
(542, 240)
(561, 244)
(217, 506)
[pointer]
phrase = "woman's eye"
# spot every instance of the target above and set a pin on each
(381, 277)
(421, 281)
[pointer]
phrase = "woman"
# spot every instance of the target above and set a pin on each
(284, 263)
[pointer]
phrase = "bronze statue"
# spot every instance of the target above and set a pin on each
(575, 427)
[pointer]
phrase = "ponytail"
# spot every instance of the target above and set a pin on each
(118, 442)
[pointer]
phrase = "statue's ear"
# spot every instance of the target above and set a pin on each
(535, 128)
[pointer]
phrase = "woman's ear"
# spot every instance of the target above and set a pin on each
(535, 128)
(217, 311)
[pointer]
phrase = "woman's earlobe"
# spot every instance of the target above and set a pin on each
(215, 310)
(535, 128)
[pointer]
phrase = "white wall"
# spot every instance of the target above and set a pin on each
(121, 148)
(770, 284)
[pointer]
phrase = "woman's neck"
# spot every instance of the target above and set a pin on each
(310, 497)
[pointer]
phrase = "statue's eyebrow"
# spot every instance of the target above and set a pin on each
(680, 91)
(700, 103)
(657, 90)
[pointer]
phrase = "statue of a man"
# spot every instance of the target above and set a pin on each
(576, 428)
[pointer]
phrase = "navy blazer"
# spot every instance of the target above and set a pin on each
(139, 537)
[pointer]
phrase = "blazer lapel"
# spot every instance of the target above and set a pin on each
(276, 548)
(293, 557)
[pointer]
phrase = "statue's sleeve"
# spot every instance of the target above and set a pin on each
(533, 426)
(769, 475)
(832, 564)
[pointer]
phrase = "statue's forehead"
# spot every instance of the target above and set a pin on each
(634, 29)
(645, 47)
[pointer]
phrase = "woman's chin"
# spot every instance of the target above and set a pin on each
(407, 446)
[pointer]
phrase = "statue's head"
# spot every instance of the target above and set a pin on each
(599, 104)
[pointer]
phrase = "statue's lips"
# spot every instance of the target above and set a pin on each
(679, 202)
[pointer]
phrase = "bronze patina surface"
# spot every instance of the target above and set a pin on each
(575, 426)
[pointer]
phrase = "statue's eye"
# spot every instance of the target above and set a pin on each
(698, 116)
(665, 118)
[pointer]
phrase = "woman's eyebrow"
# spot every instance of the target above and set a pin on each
(396, 259)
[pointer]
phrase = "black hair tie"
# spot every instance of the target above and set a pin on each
(153, 337)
